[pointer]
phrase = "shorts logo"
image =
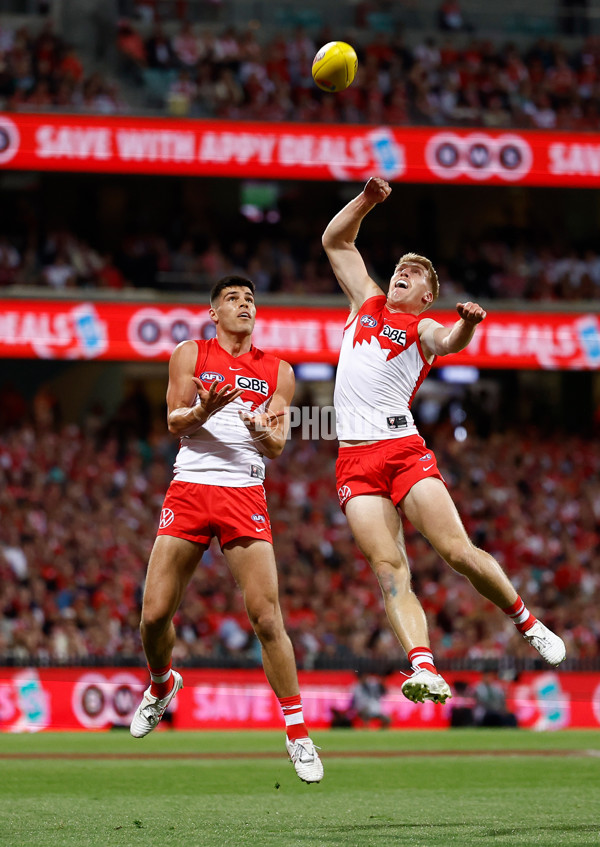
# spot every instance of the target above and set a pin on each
(344, 493)
(211, 376)
(425, 458)
(258, 518)
(368, 320)
(257, 472)
(166, 518)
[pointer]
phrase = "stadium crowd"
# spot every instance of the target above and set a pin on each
(240, 74)
(489, 268)
(78, 513)
(43, 71)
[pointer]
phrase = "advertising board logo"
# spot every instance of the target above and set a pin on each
(376, 150)
(152, 332)
(101, 700)
(478, 156)
(9, 140)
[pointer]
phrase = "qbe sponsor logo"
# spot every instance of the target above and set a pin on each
(396, 335)
(251, 383)
(153, 332)
(99, 701)
(478, 156)
(9, 140)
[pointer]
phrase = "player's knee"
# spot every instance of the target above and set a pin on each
(394, 577)
(154, 621)
(266, 623)
(461, 556)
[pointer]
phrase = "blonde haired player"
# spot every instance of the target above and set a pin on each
(384, 464)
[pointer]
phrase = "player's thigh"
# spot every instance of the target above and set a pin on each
(253, 566)
(377, 528)
(171, 566)
(432, 511)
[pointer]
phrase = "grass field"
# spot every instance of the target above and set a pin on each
(424, 789)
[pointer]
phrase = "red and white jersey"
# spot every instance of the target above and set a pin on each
(381, 367)
(222, 452)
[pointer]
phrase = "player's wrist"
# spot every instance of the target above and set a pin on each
(199, 414)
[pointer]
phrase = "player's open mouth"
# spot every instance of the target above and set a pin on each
(402, 283)
(244, 315)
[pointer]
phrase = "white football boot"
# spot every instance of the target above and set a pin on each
(424, 685)
(305, 758)
(151, 709)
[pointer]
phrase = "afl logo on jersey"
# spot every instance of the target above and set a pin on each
(368, 320)
(258, 518)
(211, 376)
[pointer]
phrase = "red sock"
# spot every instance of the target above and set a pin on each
(294, 719)
(162, 681)
(520, 615)
(422, 657)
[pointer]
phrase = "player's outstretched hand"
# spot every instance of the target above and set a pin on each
(377, 190)
(263, 422)
(472, 313)
(213, 399)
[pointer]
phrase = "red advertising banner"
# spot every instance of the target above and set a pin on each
(58, 329)
(50, 142)
(80, 698)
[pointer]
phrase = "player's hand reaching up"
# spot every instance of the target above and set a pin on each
(471, 313)
(377, 190)
(213, 399)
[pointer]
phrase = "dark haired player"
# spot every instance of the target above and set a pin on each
(228, 402)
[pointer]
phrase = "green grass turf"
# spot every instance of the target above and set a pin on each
(426, 800)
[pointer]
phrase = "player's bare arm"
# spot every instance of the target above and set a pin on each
(269, 429)
(184, 415)
(338, 242)
(438, 340)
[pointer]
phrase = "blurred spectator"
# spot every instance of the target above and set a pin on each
(450, 16)
(131, 51)
(490, 703)
(158, 50)
(462, 705)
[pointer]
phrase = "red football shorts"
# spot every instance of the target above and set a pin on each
(387, 468)
(199, 512)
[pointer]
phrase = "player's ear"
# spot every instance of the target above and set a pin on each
(428, 298)
(212, 315)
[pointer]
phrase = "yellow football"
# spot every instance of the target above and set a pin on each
(334, 66)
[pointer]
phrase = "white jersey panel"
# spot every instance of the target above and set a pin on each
(222, 452)
(380, 368)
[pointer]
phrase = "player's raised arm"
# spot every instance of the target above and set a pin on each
(440, 340)
(184, 415)
(269, 429)
(338, 242)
